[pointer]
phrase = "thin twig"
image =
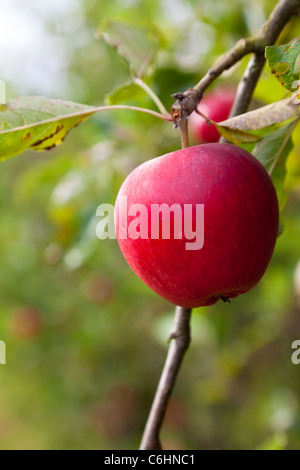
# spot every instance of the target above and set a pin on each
(180, 340)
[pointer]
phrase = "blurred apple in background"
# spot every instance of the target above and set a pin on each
(117, 415)
(99, 289)
(26, 323)
(216, 106)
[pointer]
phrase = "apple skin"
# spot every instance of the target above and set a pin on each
(240, 228)
(217, 106)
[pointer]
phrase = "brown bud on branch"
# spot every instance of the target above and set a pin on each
(185, 104)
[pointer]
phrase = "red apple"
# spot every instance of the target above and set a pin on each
(240, 223)
(216, 106)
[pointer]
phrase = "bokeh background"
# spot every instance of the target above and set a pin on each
(86, 340)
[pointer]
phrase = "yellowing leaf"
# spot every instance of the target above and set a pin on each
(264, 117)
(236, 136)
(46, 124)
(284, 62)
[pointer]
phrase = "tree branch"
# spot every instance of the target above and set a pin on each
(247, 85)
(242, 48)
(270, 32)
(180, 340)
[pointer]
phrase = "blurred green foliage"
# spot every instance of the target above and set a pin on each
(86, 340)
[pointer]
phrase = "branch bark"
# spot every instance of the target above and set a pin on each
(180, 340)
(268, 35)
(242, 48)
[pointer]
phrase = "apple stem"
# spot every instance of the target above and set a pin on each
(180, 339)
(184, 132)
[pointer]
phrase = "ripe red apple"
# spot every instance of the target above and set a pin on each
(216, 106)
(240, 223)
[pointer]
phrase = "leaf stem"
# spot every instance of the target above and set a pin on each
(139, 82)
(165, 117)
(208, 121)
(184, 132)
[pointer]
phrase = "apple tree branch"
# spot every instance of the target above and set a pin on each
(180, 340)
(188, 101)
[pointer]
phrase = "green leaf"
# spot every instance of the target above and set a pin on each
(46, 124)
(284, 62)
(137, 45)
(264, 117)
(126, 92)
(272, 151)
